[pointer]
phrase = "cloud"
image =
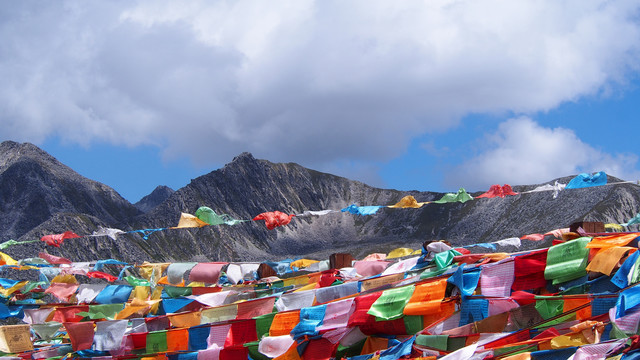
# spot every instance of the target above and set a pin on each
(315, 82)
(523, 152)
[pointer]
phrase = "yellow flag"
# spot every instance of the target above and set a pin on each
(7, 260)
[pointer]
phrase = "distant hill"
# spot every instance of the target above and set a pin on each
(247, 187)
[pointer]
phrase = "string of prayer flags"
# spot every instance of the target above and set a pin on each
(586, 180)
(57, 239)
(274, 219)
(461, 196)
(206, 216)
(441, 304)
(498, 191)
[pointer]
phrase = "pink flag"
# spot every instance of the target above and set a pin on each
(51, 259)
(62, 291)
(370, 268)
(206, 272)
(496, 279)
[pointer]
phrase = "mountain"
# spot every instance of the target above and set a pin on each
(34, 186)
(157, 196)
(247, 187)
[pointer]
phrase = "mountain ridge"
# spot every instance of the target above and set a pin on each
(246, 187)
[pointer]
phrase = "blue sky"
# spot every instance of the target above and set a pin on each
(404, 95)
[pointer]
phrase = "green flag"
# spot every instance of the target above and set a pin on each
(106, 311)
(461, 196)
(391, 303)
(210, 217)
(157, 341)
(567, 261)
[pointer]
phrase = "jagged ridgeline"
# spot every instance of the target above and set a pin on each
(39, 196)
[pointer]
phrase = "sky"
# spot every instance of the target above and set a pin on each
(409, 95)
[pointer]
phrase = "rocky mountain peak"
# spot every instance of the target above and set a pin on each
(155, 198)
(12, 152)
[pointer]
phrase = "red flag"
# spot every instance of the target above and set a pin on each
(102, 275)
(80, 334)
(496, 190)
(274, 219)
(57, 239)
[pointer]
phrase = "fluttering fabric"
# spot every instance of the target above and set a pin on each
(361, 210)
(586, 180)
(112, 233)
(315, 213)
(408, 202)
(49, 330)
(176, 271)
(8, 243)
(556, 188)
(190, 221)
(88, 292)
(210, 217)
(52, 259)
(461, 196)
(57, 239)
(274, 219)
(206, 272)
(295, 300)
(62, 291)
(81, 334)
(567, 261)
(274, 346)
(498, 191)
(391, 303)
(633, 220)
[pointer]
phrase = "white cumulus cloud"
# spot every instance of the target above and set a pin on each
(316, 82)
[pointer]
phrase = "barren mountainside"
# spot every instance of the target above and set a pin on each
(247, 187)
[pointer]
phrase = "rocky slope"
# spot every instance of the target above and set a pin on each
(247, 187)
